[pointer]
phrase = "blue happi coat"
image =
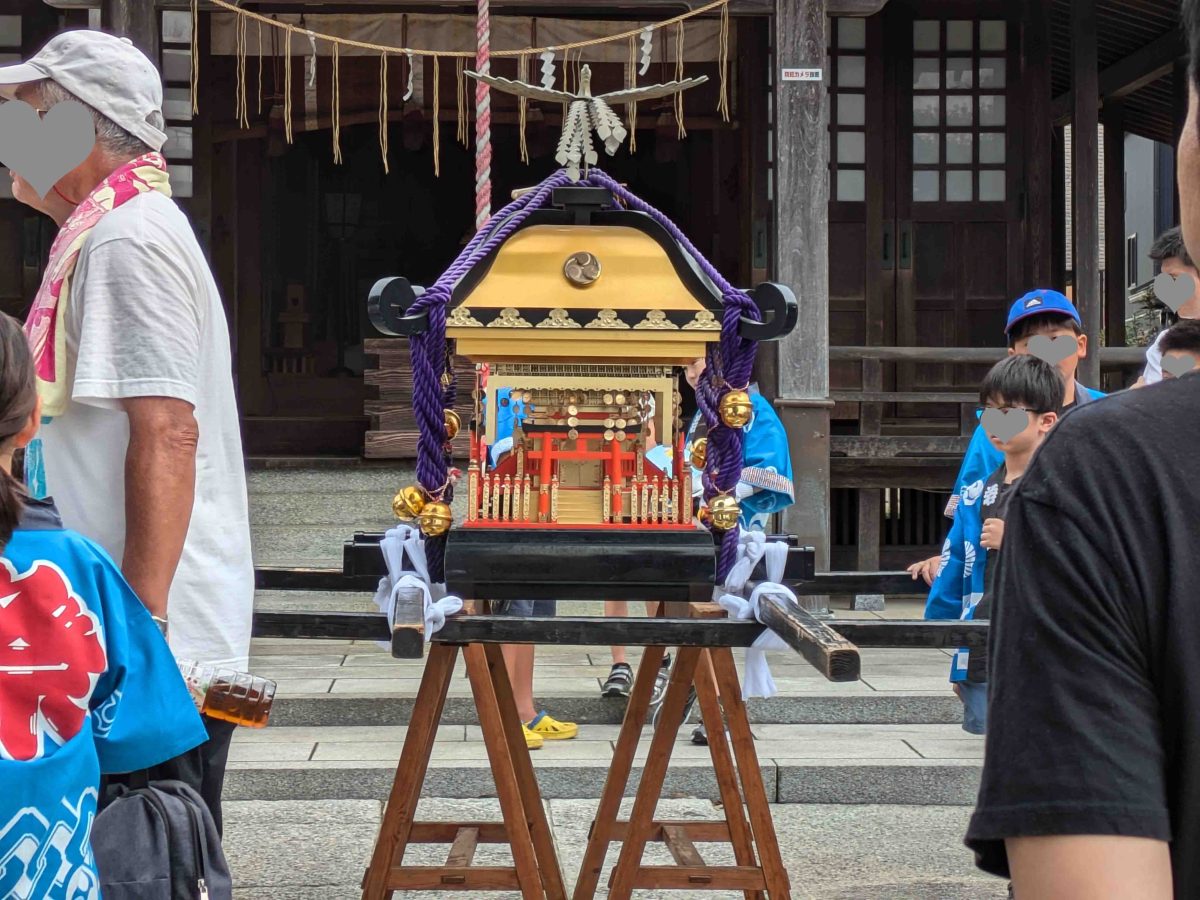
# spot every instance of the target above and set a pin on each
(959, 584)
(508, 416)
(765, 487)
(87, 685)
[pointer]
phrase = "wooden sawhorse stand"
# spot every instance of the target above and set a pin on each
(716, 681)
(705, 659)
(535, 871)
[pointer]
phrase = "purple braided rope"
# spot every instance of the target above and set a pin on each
(729, 364)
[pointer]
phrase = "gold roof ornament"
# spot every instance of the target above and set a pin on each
(585, 112)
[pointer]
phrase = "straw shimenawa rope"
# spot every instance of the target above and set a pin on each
(723, 65)
(383, 110)
(523, 108)
(631, 107)
(437, 125)
(679, 77)
(287, 84)
(337, 103)
(466, 54)
(570, 71)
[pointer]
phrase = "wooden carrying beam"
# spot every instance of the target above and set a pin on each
(824, 649)
(595, 630)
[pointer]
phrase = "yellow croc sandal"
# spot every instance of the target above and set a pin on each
(533, 740)
(551, 729)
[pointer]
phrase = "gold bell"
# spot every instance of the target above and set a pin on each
(704, 515)
(736, 409)
(453, 424)
(407, 504)
(725, 512)
(435, 519)
(699, 453)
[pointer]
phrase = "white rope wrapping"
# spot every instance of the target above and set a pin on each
(405, 543)
(752, 547)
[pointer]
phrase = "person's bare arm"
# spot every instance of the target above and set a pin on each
(1089, 867)
(160, 488)
(926, 568)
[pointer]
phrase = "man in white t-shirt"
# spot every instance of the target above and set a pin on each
(142, 450)
(1173, 259)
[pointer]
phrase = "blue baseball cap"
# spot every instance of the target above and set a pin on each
(1042, 300)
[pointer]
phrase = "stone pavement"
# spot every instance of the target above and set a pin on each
(291, 850)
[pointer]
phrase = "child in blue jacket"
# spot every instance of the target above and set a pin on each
(957, 576)
(87, 683)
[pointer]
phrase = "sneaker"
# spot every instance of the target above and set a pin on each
(620, 681)
(549, 728)
(700, 736)
(661, 680)
(533, 740)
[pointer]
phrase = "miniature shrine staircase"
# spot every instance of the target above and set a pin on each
(580, 506)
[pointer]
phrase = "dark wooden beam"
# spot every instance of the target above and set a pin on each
(1039, 139)
(1058, 210)
(1085, 189)
(592, 631)
(1115, 276)
(1135, 71)
(802, 262)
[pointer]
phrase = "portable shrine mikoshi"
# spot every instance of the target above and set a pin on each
(579, 306)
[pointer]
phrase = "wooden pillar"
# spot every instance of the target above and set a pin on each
(1115, 277)
(1058, 209)
(134, 19)
(1179, 87)
(802, 262)
(1085, 87)
(1039, 136)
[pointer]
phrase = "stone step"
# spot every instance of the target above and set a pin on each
(901, 764)
(383, 479)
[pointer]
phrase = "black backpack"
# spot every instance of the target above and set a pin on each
(157, 841)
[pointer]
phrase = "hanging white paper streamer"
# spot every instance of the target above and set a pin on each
(408, 92)
(548, 69)
(647, 49)
(312, 69)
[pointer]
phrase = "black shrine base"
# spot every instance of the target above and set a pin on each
(592, 564)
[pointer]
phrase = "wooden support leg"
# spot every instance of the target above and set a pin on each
(507, 789)
(603, 826)
(410, 773)
(718, 745)
(641, 822)
(751, 775)
(535, 812)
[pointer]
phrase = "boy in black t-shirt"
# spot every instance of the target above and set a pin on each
(1020, 399)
